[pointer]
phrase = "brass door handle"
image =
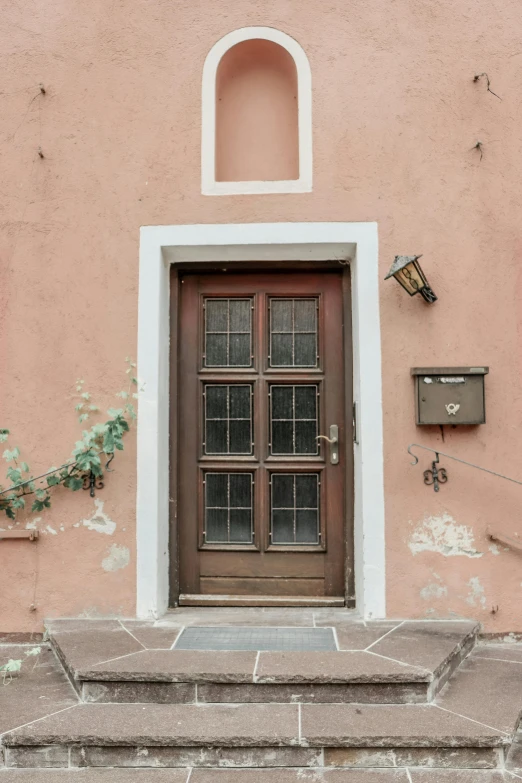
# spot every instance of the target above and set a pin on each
(333, 440)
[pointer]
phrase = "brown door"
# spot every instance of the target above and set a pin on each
(262, 495)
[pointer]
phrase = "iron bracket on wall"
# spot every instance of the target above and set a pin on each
(92, 482)
(436, 476)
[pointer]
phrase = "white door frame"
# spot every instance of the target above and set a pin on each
(161, 246)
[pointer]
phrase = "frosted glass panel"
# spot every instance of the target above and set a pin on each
(293, 332)
(293, 420)
(228, 419)
(228, 332)
(295, 508)
(228, 508)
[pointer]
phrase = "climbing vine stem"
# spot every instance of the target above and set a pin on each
(90, 457)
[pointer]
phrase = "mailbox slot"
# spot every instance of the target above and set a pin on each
(450, 395)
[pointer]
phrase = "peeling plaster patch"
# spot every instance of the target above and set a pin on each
(433, 590)
(442, 534)
(118, 557)
(51, 530)
(33, 523)
(494, 549)
(99, 520)
(476, 596)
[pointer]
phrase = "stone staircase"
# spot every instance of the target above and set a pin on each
(371, 710)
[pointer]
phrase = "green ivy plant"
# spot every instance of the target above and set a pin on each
(91, 455)
(14, 665)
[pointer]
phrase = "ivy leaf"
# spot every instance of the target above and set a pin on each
(4, 434)
(86, 396)
(83, 417)
(41, 494)
(10, 513)
(37, 506)
(74, 483)
(115, 413)
(25, 467)
(53, 480)
(108, 442)
(18, 503)
(9, 456)
(14, 475)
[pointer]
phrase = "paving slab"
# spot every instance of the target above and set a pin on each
(128, 775)
(504, 652)
(486, 690)
(298, 776)
(426, 644)
(39, 689)
(459, 776)
(250, 725)
(334, 667)
(150, 635)
(360, 636)
(176, 666)
(351, 725)
(82, 645)
(94, 775)
(253, 615)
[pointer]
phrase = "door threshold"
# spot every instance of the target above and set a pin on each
(193, 599)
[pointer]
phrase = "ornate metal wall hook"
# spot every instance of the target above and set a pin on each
(436, 475)
(92, 482)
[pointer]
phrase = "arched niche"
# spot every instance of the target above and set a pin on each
(257, 115)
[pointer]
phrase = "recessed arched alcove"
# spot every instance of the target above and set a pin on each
(256, 114)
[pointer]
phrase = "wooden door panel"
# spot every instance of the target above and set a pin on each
(247, 564)
(268, 586)
(261, 376)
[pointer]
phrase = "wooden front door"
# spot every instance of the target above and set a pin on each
(261, 380)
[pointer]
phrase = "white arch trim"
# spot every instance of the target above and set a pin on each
(209, 186)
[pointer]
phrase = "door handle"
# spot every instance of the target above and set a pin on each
(333, 440)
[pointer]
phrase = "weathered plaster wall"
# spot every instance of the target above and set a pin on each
(396, 115)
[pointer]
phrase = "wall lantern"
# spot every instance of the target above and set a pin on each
(408, 272)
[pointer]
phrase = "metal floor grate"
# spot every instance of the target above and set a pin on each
(256, 638)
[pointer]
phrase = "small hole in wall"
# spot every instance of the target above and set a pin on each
(256, 114)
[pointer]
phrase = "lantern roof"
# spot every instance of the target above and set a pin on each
(399, 263)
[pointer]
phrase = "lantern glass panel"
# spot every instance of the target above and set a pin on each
(411, 278)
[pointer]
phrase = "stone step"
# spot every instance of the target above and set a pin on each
(213, 775)
(255, 735)
(379, 663)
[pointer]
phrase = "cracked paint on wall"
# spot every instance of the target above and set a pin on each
(99, 520)
(444, 535)
(118, 557)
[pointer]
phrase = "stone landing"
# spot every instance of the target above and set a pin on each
(415, 702)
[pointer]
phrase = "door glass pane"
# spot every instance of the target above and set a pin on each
(293, 332)
(293, 420)
(228, 508)
(228, 419)
(294, 507)
(228, 332)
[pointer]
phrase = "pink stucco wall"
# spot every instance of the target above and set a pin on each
(396, 117)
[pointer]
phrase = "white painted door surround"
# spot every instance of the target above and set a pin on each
(161, 246)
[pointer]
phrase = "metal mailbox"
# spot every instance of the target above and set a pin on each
(450, 395)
